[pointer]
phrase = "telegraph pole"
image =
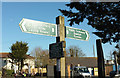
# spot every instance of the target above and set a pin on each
(101, 65)
(61, 37)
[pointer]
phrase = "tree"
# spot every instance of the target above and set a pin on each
(18, 52)
(74, 51)
(118, 48)
(41, 57)
(36, 54)
(103, 16)
(118, 53)
(44, 57)
(109, 55)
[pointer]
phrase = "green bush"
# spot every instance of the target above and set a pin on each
(9, 72)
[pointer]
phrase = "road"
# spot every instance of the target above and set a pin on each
(50, 77)
(66, 77)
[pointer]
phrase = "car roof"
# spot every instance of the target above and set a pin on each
(80, 67)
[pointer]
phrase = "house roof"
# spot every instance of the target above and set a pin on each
(5, 55)
(30, 57)
(83, 61)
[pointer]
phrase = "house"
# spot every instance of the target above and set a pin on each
(71, 62)
(6, 63)
(89, 62)
(110, 62)
(83, 61)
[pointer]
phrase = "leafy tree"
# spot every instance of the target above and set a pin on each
(74, 51)
(18, 52)
(103, 16)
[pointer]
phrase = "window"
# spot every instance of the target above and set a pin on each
(4, 61)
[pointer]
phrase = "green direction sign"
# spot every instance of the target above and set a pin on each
(43, 28)
(38, 27)
(75, 33)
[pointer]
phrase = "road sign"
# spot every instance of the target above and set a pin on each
(38, 27)
(56, 50)
(75, 33)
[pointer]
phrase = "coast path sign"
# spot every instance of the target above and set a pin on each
(74, 33)
(38, 27)
(43, 28)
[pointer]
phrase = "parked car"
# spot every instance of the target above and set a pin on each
(112, 74)
(81, 72)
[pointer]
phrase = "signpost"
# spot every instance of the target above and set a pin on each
(38, 27)
(75, 33)
(60, 37)
(58, 30)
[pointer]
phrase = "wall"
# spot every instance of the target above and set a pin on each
(108, 69)
(50, 70)
(30, 62)
(6, 64)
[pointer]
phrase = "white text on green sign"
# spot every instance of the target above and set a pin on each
(38, 27)
(75, 33)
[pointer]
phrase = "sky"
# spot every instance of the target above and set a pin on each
(13, 12)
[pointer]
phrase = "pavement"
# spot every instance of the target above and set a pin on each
(97, 77)
(53, 77)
